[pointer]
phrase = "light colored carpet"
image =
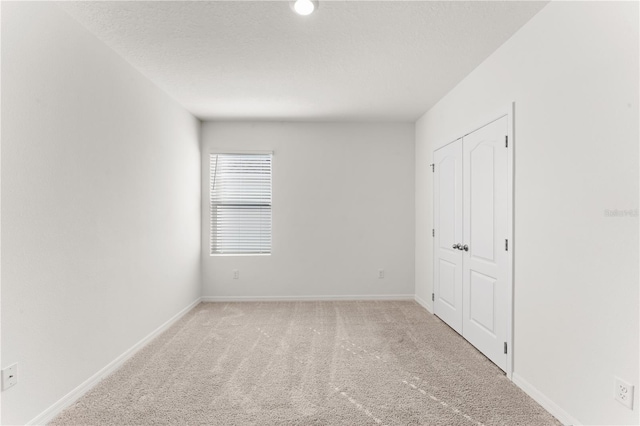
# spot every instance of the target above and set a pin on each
(307, 363)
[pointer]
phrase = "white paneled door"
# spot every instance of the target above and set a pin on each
(447, 192)
(485, 231)
(476, 238)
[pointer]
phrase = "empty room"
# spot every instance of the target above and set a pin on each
(320, 213)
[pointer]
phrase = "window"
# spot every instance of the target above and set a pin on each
(240, 209)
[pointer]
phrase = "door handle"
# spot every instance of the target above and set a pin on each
(456, 246)
(465, 247)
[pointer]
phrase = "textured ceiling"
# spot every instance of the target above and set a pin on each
(350, 60)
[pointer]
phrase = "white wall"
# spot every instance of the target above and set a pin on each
(342, 209)
(100, 206)
(573, 74)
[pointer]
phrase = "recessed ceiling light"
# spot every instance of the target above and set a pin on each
(305, 7)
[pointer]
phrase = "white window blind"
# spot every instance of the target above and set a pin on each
(240, 207)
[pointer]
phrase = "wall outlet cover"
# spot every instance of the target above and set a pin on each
(624, 393)
(9, 376)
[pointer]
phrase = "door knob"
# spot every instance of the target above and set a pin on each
(465, 247)
(457, 246)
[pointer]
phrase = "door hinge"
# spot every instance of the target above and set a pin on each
(505, 347)
(433, 232)
(506, 245)
(433, 167)
(433, 297)
(506, 141)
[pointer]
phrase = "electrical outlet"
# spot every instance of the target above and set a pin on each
(380, 273)
(624, 393)
(9, 376)
(236, 274)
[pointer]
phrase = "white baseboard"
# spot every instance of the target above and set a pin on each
(546, 403)
(64, 402)
(423, 303)
(306, 298)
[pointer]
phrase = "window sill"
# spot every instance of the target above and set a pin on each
(238, 254)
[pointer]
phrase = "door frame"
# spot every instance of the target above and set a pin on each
(509, 112)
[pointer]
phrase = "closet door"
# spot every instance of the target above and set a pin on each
(485, 229)
(447, 194)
